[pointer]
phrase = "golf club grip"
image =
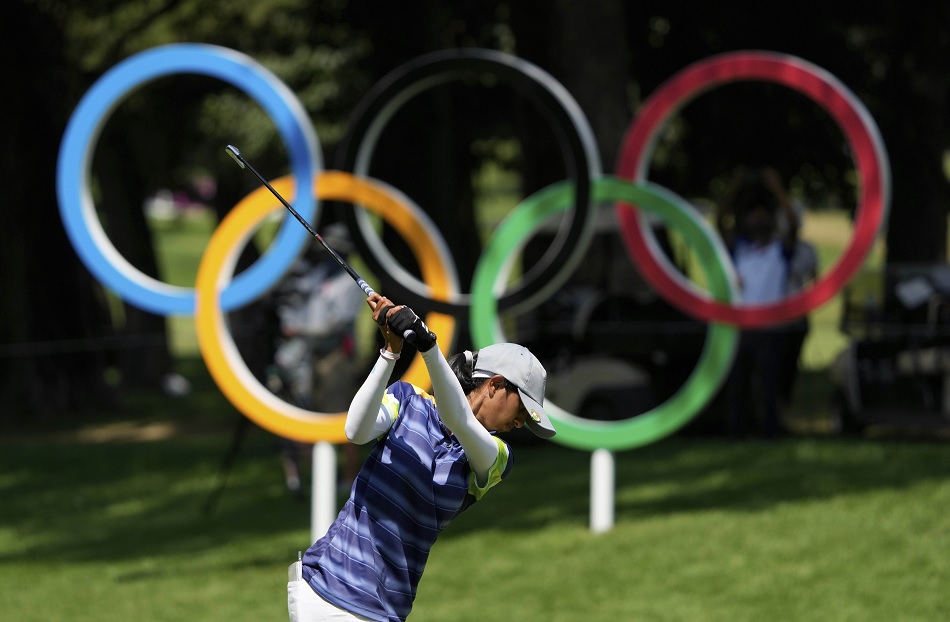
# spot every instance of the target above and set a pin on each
(365, 287)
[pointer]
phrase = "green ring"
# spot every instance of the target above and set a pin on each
(721, 340)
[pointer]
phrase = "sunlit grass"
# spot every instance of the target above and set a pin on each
(705, 530)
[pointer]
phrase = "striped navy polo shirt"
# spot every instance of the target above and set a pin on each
(414, 482)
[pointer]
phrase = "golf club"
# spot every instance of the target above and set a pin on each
(237, 157)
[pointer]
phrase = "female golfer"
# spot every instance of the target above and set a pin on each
(428, 465)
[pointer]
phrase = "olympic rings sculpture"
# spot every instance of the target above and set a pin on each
(216, 293)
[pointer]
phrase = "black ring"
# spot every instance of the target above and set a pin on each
(552, 99)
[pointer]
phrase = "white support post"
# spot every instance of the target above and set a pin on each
(602, 474)
(323, 489)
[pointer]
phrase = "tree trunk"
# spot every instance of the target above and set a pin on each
(143, 356)
(585, 47)
(914, 125)
(51, 360)
(433, 168)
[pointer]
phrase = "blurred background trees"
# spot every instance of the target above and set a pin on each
(59, 333)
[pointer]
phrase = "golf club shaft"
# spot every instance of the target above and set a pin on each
(236, 155)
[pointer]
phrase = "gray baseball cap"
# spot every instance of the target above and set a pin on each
(522, 369)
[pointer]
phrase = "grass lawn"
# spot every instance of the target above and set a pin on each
(100, 525)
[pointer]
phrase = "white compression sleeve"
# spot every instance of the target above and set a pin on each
(366, 419)
(456, 413)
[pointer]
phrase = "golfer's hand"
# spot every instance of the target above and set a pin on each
(383, 308)
(404, 321)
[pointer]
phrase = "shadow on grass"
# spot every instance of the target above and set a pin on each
(551, 484)
(125, 501)
(117, 501)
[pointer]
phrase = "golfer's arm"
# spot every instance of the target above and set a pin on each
(456, 413)
(366, 419)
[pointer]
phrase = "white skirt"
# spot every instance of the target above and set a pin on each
(305, 605)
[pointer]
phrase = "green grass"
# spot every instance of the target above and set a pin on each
(804, 529)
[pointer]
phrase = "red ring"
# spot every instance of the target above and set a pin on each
(823, 88)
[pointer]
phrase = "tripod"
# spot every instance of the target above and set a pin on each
(278, 382)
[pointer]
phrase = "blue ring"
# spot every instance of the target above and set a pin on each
(75, 156)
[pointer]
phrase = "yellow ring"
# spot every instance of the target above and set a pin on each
(217, 347)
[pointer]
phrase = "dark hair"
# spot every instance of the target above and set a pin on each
(463, 366)
(754, 195)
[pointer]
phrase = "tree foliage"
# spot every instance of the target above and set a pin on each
(609, 54)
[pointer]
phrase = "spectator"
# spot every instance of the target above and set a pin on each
(315, 361)
(761, 252)
(802, 270)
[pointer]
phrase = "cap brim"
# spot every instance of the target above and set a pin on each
(537, 421)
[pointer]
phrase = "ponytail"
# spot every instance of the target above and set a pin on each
(463, 366)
